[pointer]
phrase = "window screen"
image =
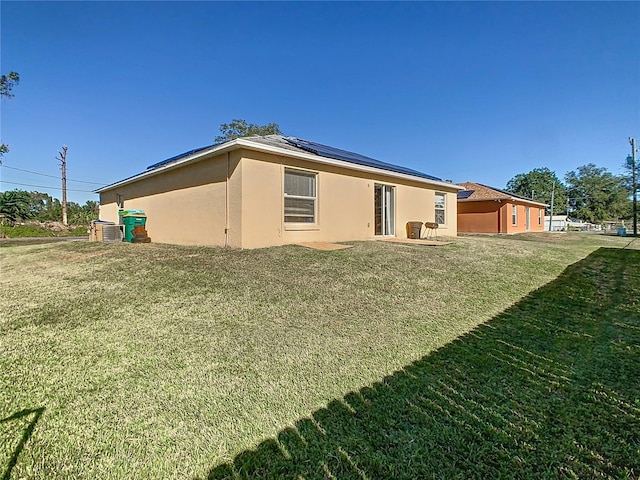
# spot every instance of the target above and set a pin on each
(299, 197)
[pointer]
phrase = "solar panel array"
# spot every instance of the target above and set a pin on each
(178, 157)
(465, 194)
(321, 150)
(338, 154)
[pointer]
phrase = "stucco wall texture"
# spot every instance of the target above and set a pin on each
(236, 199)
(494, 216)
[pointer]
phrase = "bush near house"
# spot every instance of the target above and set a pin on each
(42, 229)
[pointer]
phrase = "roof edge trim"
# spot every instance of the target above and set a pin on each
(503, 199)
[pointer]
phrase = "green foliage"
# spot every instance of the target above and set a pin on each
(77, 232)
(82, 214)
(7, 82)
(36, 231)
(240, 128)
(596, 195)
(45, 208)
(14, 206)
(23, 231)
(628, 177)
(538, 184)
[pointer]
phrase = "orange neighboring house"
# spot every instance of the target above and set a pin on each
(483, 209)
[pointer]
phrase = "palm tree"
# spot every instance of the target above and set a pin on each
(14, 206)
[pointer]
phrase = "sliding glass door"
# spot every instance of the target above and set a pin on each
(384, 208)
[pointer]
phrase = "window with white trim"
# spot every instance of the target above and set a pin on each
(539, 216)
(440, 216)
(300, 199)
(514, 215)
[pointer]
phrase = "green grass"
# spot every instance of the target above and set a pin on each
(493, 357)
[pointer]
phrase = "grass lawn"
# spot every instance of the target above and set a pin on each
(493, 357)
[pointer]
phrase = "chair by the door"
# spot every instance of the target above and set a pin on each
(431, 230)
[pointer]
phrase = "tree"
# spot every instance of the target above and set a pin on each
(14, 206)
(7, 82)
(45, 207)
(596, 195)
(41, 206)
(83, 214)
(240, 128)
(538, 185)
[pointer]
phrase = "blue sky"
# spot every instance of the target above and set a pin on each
(475, 91)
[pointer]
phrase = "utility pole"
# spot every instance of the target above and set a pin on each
(553, 192)
(634, 186)
(63, 166)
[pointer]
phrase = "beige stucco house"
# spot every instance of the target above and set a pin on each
(273, 190)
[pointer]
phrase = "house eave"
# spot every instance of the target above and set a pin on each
(247, 143)
(503, 199)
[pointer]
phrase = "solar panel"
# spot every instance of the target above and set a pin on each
(331, 152)
(178, 157)
(465, 194)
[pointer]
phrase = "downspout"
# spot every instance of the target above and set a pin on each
(226, 203)
(281, 229)
(499, 216)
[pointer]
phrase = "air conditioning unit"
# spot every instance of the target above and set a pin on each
(112, 233)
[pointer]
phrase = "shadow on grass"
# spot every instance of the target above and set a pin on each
(26, 434)
(548, 389)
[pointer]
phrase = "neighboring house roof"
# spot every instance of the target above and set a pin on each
(293, 147)
(475, 192)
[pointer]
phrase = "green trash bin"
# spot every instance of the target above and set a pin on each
(130, 222)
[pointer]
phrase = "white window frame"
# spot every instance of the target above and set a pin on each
(539, 217)
(302, 197)
(514, 215)
(443, 209)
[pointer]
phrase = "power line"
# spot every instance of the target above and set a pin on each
(44, 186)
(51, 176)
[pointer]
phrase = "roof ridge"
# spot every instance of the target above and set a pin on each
(506, 194)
